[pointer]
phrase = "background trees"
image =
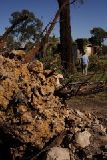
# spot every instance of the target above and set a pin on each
(29, 30)
(98, 36)
(81, 43)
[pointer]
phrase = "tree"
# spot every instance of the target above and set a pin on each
(28, 30)
(81, 43)
(65, 35)
(11, 43)
(6, 37)
(98, 36)
(104, 50)
(38, 47)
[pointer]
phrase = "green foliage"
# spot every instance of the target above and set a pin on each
(96, 64)
(29, 45)
(12, 44)
(81, 43)
(98, 35)
(104, 50)
(28, 30)
(51, 61)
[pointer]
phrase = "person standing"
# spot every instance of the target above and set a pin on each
(84, 63)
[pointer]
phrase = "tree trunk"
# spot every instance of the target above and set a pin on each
(65, 37)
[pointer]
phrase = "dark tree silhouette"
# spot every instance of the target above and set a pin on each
(98, 36)
(29, 30)
(65, 37)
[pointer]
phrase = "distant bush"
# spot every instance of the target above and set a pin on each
(104, 50)
(51, 61)
(96, 64)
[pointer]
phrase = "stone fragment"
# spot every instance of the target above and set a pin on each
(35, 66)
(83, 139)
(58, 153)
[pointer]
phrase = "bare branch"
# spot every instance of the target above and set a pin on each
(39, 46)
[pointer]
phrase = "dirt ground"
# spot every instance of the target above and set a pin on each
(95, 104)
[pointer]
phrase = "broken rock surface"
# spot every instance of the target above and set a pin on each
(83, 139)
(58, 153)
(31, 116)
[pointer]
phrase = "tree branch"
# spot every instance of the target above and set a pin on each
(38, 47)
(10, 29)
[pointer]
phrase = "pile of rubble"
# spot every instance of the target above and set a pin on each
(33, 121)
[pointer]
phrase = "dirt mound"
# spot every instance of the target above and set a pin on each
(27, 102)
(31, 115)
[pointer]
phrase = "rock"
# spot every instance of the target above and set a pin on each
(22, 108)
(36, 67)
(26, 117)
(18, 53)
(32, 114)
(83, 139)
(99, 128)
(46, 89)
(58, 77)
(103, 129)
(58, 153)
(27, 100)
(80, 114)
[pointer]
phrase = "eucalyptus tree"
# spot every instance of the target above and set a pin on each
(98, 36)
(27, 31)
(65, 34)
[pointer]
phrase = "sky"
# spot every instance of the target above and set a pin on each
(93, 13)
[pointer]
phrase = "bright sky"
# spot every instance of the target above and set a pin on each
(93, 13)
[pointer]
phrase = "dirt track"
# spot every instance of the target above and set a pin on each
(94, 104)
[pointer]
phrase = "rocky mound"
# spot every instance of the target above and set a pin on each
(31, 115)
(27, 103)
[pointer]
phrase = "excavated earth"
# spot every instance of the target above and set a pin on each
(32, 117)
